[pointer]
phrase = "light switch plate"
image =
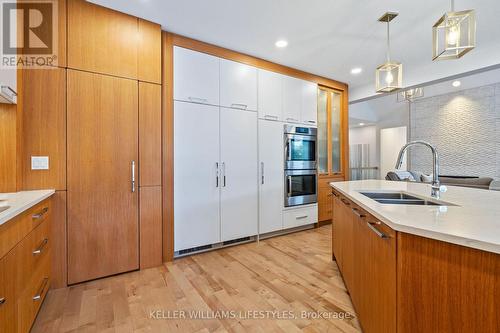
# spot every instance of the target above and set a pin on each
(39, 163)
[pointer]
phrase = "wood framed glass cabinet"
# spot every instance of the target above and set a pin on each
(331, 141)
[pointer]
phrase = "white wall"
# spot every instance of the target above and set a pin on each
(366, 135)
(391, 141)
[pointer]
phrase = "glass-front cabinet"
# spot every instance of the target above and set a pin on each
(329, 132)
(330, 147)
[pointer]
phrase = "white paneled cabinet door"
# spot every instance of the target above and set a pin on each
(196, 77)
(238, 85)
(271, 176)
(270, 95)
(196, 188)
(239, 191)
(309, 112)
(292, 99)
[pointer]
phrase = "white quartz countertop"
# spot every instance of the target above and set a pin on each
(474, 221)
(19, 202)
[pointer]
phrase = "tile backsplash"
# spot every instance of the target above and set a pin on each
(465, 128)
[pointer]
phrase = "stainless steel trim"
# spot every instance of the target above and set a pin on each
(290, 200)
(2, 300)
(358, 213)
(39, 215)
(198, 100)
(216, 174)
(242, 106)
(292, 129)
(301, 217)
(39, 294)
(223, 174)
(40, 248)
(291, 133)
(375, 230)
(262, 172)
(133, 176)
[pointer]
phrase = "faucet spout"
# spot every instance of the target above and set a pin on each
(435, 186)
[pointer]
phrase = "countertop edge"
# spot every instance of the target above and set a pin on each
(21, 209)
(471, 243)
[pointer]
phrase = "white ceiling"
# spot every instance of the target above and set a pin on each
(328, 37)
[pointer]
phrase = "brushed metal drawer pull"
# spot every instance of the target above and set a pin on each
(2, 300)
(38, 296)
(301, 217)
(41, 214)
(198, 100)
(345, 202)
(375, 230)
(358, 213)
(271, 116)
(239, 106)
(41, 247)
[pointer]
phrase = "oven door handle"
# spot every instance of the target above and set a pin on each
(289, 192)
(287, 150)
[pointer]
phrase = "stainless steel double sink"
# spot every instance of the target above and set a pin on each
(401, 198)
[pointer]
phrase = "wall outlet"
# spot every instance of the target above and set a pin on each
(39, 163)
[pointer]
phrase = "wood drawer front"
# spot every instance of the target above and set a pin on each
(31, 298)
(30, 255)
(7, 297)
(301, 216)
(12, 232)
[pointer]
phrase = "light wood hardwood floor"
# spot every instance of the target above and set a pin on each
(284, 275)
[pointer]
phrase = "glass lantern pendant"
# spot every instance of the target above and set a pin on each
(454, 34)
(388, 76)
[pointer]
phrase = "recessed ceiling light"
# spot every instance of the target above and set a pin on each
(281, 43)
(361, 124)
(456, 84)
(356, 70)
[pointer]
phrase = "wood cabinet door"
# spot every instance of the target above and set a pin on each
(7, 295)
(101, 40)
(270, 95)
(238, 85)
(325, 202)
(239, 191)
(196, 77)
(102, 115)
(197, 179)
(271, 182)
(374, 283)
(337, 230)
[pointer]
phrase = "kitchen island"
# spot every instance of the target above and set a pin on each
(431, 266)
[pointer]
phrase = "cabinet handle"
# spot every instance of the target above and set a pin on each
(311, 121)
(133, 176)
(358, 213)
(39, 294)
(223, 174)
(39, 215)
(239, 106)
(216, 174)
(40, 248)
(376, 231)
(292, 119)
(262, 172)
(268, 116)
(2, 300)
(301, 217)
(347, 203)
(198, 100)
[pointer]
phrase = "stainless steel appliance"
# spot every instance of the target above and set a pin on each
(300, 187)
(300, 165)
(300, 147)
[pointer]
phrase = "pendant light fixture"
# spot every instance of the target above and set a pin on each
(454, 34)
(388, 76)
(410, 94)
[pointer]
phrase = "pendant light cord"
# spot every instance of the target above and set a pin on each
(389, 43)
